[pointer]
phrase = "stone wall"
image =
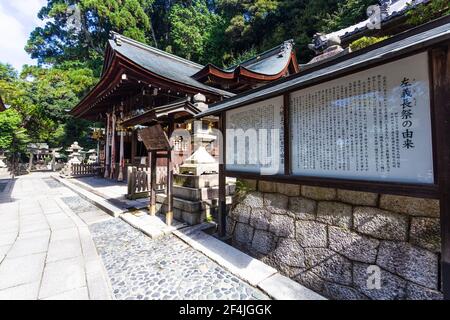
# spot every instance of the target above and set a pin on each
(327, 238)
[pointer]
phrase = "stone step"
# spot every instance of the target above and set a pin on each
(202, 181)
(194, 194)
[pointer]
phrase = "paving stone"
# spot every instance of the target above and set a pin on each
(286, 289)
(289, 252)
(318, 193)
(392, 287)
(352, 245)
(253, 199)
(21, 270)
(410, 205)
(426, 233)
(63, 249)
(243, 233)
(339, 292)
(336, 269)
(260, 218)
(61, 276)
(380, 224)
(412, 263)
(75, 294)
(282, 226)
(311, 233)
(7, 238)
(290, 190)
(262, 241)
(357, 197)
(316, 256)
(241, 213)
(26, 247)
(276, 203)
(416, 292)
(335, 213)
(302, 208)
(28, 291)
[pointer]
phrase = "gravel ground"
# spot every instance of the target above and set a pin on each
(165, 268)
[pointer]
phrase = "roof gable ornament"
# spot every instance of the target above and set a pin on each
(117, 38)
(325, 47)
(286, 47)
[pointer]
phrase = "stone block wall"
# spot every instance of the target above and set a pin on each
(326, 239)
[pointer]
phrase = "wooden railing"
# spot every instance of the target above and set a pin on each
(139, 181)
(82, 169)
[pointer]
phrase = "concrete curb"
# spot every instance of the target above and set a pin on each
(249, 269)
(96, 200)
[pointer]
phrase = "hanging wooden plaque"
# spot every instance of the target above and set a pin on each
(154, 138)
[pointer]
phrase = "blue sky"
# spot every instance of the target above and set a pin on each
(17, 19)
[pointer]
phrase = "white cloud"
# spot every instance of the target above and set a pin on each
(17, 19)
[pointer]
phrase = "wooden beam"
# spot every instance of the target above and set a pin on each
(286, 132)
(152, 205)
(440, 65)
(169, 186)
(222, 181)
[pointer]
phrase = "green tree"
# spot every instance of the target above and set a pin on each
(193, 28)
(13, 136)
(77, 30)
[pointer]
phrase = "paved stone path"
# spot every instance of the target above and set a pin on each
(46, 251)
(49, 239)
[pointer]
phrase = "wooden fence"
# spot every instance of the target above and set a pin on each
(81, 169)
(139, 181)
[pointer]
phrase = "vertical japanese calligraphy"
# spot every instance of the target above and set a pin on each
(255, 138)
(371, 125)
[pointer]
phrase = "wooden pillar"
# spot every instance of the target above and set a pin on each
(152, 206)
(121, 157)
(113, 146)
(107, 143)
(133, 146)
(169, 184)
(440, 62)
(222, 180)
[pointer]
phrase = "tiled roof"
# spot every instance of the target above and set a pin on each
(161, 63)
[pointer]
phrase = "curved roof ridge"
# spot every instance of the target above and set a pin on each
(264, 54)
(153, 49)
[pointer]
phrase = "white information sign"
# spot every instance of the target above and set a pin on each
(254, 138)
(371, 125)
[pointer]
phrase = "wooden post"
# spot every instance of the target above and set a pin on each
(121, 157)
(113, 146)
(107, 143)
(287, 130)
(440, 62)
(222, 180)
(133, 146)
(152, 189)
(169, 183)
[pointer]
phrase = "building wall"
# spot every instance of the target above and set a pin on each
(326, 239)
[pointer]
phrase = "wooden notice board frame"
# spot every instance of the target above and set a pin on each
(439, 78)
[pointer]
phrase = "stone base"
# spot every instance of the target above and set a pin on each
(202, 181)
(337, 241)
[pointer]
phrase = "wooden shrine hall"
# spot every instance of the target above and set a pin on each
(142, 88)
